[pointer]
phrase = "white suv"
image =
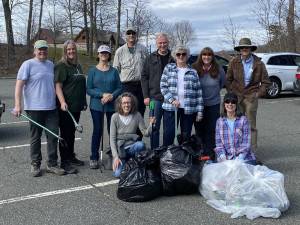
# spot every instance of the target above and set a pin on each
(282, 68)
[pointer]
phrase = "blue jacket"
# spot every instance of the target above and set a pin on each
(100, 82)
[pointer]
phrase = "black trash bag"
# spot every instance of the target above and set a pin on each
(180, 168)
(138, 183)
(150, 157)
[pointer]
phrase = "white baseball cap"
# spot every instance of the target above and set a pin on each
(104, 48)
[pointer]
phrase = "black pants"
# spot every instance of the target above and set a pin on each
(67, 132)
(205, 129)
(49, 119)
(135, 88)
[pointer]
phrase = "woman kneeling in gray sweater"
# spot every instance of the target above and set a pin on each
(123, 137)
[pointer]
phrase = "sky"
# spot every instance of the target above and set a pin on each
(208, 18)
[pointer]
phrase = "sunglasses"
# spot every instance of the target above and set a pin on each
(131, 33)
(244, 47)
(104, 53)
(232, 101)
(181, 54)
(207, 54)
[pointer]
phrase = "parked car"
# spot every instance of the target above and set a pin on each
(2, 109)
(296, 82)
(282, 68)
(222, 61)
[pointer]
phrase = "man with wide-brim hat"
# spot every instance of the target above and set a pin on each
(247, 77)
(245, 42)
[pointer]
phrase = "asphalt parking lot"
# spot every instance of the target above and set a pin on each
(89, 197)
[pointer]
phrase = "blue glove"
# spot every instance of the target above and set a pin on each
(241, 156)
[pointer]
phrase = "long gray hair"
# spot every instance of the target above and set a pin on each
(64, 57)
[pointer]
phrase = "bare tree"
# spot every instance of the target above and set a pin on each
(118, 24)
(29, 24)
(263, 11)
(71, 9)
(184, 32)
(40, 19)
(290, 22)
(92, 28)
(87, 35)
(231, 31)
(9, 32)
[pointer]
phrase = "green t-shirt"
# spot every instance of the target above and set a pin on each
(73, 85)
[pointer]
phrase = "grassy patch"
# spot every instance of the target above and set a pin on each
(84, 59)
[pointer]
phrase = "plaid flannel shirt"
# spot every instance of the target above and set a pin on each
(193, 102)
(241, 140)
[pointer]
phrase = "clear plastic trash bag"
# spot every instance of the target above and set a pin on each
(241, 189)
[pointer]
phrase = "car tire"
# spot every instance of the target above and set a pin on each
(274, 89)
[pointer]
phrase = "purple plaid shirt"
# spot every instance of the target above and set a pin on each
(241, 139)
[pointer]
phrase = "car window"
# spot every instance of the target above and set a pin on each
(221, 61)
(281, 60)
(296, 59)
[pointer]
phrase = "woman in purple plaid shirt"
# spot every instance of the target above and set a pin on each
(233, 136)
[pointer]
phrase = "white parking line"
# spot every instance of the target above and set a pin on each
(283, 100)
(26, 145)
(23, 121)
(57, 192)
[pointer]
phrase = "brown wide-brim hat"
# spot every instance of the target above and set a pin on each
(245, 42)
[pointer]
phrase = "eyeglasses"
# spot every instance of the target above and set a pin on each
(130, 33)
(232, 101)
(126, 103)
(181, 54)
(207, 54)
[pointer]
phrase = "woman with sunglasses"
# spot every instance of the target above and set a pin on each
(212, 78)
(233, 133)
(180, 86)
(103, 86)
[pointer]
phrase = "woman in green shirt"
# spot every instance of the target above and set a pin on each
(71, 93)
(104, 86)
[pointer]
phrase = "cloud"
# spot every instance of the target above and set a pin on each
(208, 18)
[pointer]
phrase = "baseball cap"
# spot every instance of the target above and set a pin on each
(41, 44)
(130, 29)
(104, 48)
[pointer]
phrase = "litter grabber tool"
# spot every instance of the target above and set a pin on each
(78, 127)
(176, 127)
(101, 164)
(151, 108)
(60, 139)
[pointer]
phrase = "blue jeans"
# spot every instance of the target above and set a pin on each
(206, 128)
(130, 152)
(158, 113)
(186, 125)
(98, 119)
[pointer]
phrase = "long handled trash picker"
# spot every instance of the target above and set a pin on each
(60, 139)
(176, 127)
(151, 108)
(78, 127)
(101, 164)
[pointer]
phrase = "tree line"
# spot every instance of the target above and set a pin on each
(70, 16)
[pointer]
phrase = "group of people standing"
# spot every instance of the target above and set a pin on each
(180, 94)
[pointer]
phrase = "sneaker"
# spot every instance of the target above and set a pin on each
(56, 170)
(94, 164)
(68, 168)
(76, 162)
(36, 170)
